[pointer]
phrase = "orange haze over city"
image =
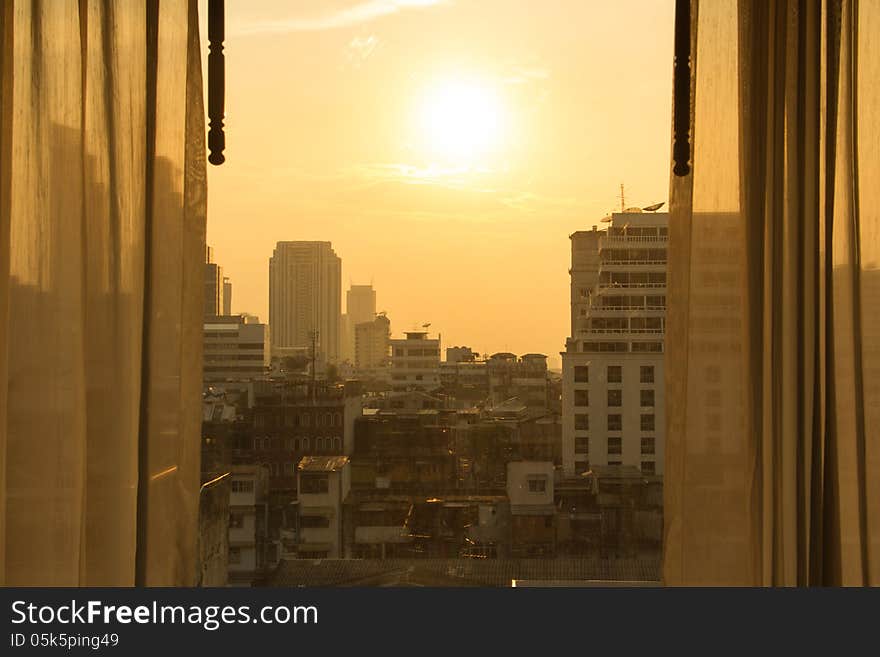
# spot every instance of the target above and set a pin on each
(446, 148)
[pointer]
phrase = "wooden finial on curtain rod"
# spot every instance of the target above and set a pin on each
(216, 82)
(681, 147)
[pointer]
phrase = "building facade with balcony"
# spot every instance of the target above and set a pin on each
(323, 483)
(612, 367)
(247, 524)
(415, 362)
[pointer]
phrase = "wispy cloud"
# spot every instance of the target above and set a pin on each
(524, 75)
(346, 16)
(359, 50)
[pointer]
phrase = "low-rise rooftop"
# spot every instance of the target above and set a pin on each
(322, 463)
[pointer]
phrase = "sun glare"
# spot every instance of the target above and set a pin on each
(460, 122)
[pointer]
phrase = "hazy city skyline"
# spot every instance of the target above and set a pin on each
(445, 155)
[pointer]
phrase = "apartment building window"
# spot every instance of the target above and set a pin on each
(581, 445)
(648, 467)
(581, 397)
(646, 374)
(615, 445)
(647, 398)
(537, 483)
(615, 463)
(337, 445)
(615, 422)
(615, 374)
(288, 469)
(615, 398)
(714, 421)
(649, 347)
(236, 520)
(647, 422)
(314, 522)
(314, 483)
(581, 374)
(647, 445)
(305, 420)
(259, 420)
(242, 486)
(290, 420)
(581, 422)
(235, 555)
(713, 397)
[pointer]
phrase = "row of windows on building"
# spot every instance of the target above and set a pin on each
(613, 374)
(622, 347)
(223, 358)
(402, 351)
(615, 398)
(614, 422)
(331, 444)
(615, 445)
(647, 467)
(262, 420)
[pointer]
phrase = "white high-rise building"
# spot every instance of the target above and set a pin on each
(305, 295)
(415, 362)
(612, 368)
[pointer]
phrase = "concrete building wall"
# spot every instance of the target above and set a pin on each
(327, 505)
(415, 362)
(372, 344)
(235, 348)
(530, 483)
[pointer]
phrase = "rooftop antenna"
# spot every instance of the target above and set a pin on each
(622, 199)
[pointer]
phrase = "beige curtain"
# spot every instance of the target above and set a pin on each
(773, 375)
(102, 202)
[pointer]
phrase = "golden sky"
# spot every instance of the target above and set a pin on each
(447, 148)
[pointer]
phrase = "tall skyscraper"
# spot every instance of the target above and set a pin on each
(213, 285)
(612, 367)
(227, 296)
(360, 305)
(305, 295)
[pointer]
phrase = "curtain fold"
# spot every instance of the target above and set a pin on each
(773, 436)
(102, 175)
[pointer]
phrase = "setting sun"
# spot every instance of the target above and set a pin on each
(460, 121)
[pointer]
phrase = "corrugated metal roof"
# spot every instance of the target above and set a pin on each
(322, 463)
